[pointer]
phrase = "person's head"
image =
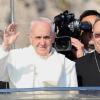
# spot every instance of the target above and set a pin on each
(42, 35)
(96, 35)
(88, 16)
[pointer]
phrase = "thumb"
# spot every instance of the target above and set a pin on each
(17, 34)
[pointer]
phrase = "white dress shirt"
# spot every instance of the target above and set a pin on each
(23, 68)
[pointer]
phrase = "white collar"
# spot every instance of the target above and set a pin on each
(53, 50)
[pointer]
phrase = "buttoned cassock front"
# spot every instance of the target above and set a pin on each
(23, 68)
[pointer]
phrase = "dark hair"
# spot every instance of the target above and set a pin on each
(88, 13)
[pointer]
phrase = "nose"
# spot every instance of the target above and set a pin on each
(42, 41)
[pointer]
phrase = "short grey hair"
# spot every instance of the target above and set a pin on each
(45, 19)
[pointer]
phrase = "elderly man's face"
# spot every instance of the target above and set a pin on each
(42, 38)
(96, 36)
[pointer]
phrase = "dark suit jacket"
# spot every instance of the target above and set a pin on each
(87, 70)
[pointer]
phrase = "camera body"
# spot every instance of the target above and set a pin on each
(66, 26)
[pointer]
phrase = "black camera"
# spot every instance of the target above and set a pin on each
(66, 26)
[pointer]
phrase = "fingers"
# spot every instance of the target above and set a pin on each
(17, 34)
(11, 29)
(5, 33)
(79, 52)
(76, 43)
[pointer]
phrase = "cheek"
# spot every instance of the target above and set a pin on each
(53, 38)
(50, 42)
(97, 42)
(35, 43)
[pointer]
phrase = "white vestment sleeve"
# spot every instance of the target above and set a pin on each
(3, 61)
(71, 73)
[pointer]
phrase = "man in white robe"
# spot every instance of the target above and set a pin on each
(38, 65)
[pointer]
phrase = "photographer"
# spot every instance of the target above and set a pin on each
(68, 31)
(87, 37)
(85, 45)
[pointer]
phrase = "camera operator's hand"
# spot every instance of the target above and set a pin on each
(79, 47)
(10, 35)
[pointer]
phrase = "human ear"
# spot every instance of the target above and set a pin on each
(30, 37)
(53, 37)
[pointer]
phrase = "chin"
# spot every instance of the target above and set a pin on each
(98, 51)
(42, 53)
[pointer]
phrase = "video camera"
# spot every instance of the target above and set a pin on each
(67, 26)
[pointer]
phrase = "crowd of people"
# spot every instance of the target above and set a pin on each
(40, 65)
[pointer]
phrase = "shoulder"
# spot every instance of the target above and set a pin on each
(25, 49)
(66, 60)
(85, 58)
(20, 52)
(20, 57)
(84, 61)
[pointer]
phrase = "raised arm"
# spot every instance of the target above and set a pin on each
(9, 37)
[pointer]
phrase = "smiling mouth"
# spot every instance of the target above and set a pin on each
(42, 48)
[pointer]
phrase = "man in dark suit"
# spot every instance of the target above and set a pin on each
(88, 66)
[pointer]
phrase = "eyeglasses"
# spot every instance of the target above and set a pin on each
(96, 35)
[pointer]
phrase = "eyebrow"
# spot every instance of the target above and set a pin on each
(46, 37)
